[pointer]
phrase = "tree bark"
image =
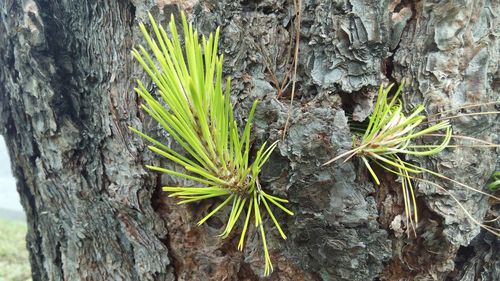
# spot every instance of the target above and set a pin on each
(94, 213)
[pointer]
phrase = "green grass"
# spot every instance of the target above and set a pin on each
(14, 264)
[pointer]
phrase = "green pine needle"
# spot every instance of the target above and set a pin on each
(495, 181)
(194, 109)
(389, 137)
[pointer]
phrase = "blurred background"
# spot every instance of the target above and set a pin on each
(10, 207)
(14, 264)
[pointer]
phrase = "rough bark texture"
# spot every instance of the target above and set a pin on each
(94, 213)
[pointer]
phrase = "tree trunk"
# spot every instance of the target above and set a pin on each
(95, 213)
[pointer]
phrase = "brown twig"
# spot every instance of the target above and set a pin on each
(298, 13)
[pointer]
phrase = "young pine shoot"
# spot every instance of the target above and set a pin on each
(193, 106)
(390, 137)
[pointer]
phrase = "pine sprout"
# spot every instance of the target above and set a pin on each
(389, 137)
(196, 111)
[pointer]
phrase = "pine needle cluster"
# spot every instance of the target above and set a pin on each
(391, 137)
(192, 104)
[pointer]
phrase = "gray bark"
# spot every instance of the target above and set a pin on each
(94, 213)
